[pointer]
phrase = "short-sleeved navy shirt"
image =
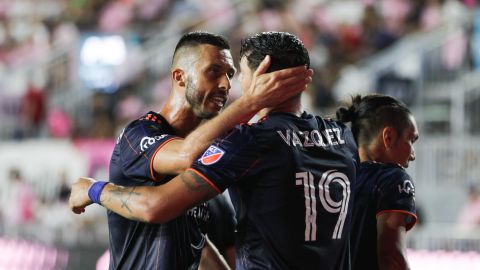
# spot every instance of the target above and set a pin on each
(221, 223)
(380, 188)
(289, 179)
(137, 245)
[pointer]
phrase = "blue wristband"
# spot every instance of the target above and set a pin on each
(96, 190)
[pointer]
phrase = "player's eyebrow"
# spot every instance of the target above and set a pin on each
(231, 70)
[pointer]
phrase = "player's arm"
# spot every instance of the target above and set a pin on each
(266, 89)
(152, 204)
(391, 241)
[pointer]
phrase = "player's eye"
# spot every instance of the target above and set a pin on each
(213, 72)
(231, 73)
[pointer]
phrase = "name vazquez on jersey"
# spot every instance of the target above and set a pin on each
(312, 138)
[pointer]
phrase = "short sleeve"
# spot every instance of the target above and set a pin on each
(396, 193)
(139, 144)
(228, 160)
(222, 222)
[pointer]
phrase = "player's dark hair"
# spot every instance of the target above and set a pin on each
(285, 50)
(371, 113)
(197, 38)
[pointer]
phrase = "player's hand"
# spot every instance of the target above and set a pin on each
(273, 88)
(79, 195)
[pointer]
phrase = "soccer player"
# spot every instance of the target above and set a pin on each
(384, 208)
(150, 150)
(289, 177)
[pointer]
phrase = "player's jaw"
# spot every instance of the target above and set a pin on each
(208, 104)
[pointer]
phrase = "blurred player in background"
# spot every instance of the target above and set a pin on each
(289, 177)
(384, 208)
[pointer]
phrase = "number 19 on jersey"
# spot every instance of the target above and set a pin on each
(322, 192)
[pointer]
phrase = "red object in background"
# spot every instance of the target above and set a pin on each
(33, 106)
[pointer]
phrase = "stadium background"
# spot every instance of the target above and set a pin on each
(73, 72)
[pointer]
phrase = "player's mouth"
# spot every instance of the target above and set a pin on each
(218, 99)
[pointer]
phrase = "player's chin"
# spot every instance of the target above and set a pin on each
(215, 106)
(213, 109)
(209, 114)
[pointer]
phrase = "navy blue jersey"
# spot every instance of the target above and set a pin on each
(137, 245)
(380, 188)
(289, 180)
(221, 224)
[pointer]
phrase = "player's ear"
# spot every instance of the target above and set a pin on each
(179, 76)
(389, 136)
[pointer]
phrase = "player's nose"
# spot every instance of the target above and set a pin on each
(412, 156)
(224, 82)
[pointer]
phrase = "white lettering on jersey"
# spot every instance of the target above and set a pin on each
(285, 138)
(406, 187)
(295, 139)
(337, 135)
(331, 205)
(146, 141)
(308, 141)
(329, 136)
(312, 138)
(317, 138)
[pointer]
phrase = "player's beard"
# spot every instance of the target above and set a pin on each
(195, 99)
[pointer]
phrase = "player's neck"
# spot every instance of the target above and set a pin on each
(364, 155)
(179, 115)
(293, 106)
(372, 152)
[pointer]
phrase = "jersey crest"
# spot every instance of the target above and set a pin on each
(212, 155)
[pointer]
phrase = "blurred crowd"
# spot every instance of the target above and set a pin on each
(36, 85)
(27, 212)
(42, 94)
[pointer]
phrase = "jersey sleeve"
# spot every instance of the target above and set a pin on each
(222, 222)
(139, 144)
(397, 194)
(228, 159)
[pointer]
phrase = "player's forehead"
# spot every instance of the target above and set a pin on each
(412, 130)
(213, 55)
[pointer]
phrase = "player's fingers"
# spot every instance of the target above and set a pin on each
(78, 210)
(289, 72)
(295, 89)
(304, 78)
(263, 67)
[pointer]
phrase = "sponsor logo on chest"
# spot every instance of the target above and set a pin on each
(146, 141)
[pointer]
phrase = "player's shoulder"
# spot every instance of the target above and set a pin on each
(329, 122)
(393, 175)
(386, 169)
(283, 120)
(149, 124)
(394, 169)
(265, 128)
